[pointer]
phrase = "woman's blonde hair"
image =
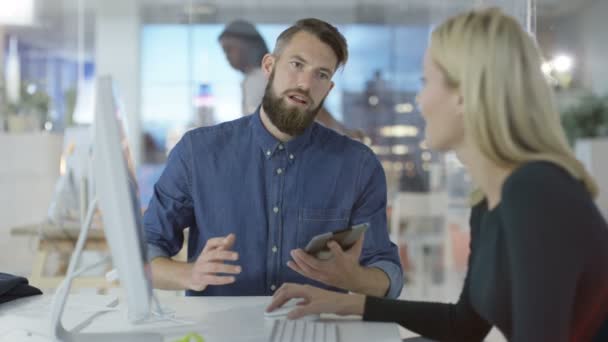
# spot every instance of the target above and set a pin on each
(509, 109)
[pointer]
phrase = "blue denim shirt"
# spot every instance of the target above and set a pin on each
(237, 178)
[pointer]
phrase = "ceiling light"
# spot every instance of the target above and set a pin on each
(399, 131)
(546, 68)
(19, 12)
(380, 150)
(400, 150)
(562, 63)
(404, 108)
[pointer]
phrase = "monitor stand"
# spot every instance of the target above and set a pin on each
(58, 332)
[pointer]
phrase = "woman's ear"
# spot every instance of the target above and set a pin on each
(268, 64)
(460, 103)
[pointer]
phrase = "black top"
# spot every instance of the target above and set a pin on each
(537, 269)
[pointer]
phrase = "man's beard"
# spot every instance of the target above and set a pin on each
(289, 120)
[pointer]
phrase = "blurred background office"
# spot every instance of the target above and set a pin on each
(172, 75)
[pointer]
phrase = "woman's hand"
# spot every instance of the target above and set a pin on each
(317, 301)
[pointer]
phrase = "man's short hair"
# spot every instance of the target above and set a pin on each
(324, 31)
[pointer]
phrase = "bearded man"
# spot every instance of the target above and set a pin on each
(254, 191)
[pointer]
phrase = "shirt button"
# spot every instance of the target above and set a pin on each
(280, 147)
(291, 156)
(279, 171)
(275, 209)
(268, 153)
(273, 287)
(274, 249)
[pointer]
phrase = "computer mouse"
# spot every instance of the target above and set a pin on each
(281, 312)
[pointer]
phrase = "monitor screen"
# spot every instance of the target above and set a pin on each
(116, 189)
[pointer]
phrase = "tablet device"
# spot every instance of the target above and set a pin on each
(346, 238)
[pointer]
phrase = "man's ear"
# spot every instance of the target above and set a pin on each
(268, 64)
(331, 86)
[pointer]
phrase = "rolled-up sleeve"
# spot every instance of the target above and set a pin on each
(155, 251)
(395, 275)
(170, 210)
(378, 250)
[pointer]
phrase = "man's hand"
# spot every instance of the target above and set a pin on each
(210, 263)
(342, 270)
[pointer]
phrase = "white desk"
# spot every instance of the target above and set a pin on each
(229, 319)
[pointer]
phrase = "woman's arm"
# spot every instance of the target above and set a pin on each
(439, 321)
(451, 322)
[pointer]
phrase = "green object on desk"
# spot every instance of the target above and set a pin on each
(191, 337)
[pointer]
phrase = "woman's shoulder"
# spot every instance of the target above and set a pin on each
(545, 189)
(532, 177)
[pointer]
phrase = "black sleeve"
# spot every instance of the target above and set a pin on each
(543, 209)
(439, 321)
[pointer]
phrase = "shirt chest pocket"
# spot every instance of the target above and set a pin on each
(314, 221)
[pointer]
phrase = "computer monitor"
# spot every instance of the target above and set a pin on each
(117, 198)
(117, 194)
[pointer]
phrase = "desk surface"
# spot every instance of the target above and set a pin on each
(229, 319)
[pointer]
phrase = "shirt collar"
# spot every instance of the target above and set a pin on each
(270, 145)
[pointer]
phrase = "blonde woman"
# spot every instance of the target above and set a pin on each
(538, 267)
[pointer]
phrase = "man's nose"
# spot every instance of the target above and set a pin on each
(305, 80)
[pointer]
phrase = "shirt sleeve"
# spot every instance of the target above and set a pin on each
(378, 250)
(542, 212)
(438, 321)
(156, 252)
(394, 274)
(170, 210)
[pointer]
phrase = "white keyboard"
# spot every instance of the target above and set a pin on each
(303, 331)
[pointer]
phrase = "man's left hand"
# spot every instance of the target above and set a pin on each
(342, 270)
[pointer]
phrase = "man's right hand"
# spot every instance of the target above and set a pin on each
(211, 262)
